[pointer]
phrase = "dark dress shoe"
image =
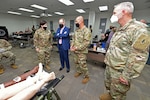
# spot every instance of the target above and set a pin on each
(61, 68)
(68, 70)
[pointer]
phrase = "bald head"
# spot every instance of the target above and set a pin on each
(61, 23)
(80, 20)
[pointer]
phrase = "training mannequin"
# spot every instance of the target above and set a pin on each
(21, 77)
(26, 89)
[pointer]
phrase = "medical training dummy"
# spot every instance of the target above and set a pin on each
(26, 89)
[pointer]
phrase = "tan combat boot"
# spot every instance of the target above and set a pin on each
(1, 70)
(14, 66)
(85, 80)
(77, 74)
(48, 67)
(105, 96)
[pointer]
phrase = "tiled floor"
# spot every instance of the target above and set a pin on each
(71, 88)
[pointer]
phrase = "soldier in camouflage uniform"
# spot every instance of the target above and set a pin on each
(5, 52)
(43, 44)
(79, 46)
(127, 53)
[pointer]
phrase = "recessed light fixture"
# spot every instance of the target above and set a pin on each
(12, 12)
(80, 10)
(66, 2)
(39, 7)
(103, 8)
(35, 16)
(88, 0)
(59, 13)
(27, 10)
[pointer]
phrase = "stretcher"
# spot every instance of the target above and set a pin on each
(48, 91)
(37, 77)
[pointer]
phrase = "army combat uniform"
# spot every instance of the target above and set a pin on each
(81, 40)
(5, 52)
(43, 41)
(126, 57)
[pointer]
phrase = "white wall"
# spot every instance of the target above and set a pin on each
(56, 19)
(16, 23)
(138, 15)
(141, 14)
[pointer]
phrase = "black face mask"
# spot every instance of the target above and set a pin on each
(61, 25)
(44, 28)
(77, 25)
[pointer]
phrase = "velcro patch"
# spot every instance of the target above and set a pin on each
(142, 43)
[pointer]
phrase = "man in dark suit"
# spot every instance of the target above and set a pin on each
(63, 44)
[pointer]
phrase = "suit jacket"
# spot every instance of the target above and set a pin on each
(64, 36)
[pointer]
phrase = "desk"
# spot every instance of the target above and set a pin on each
(95, 55)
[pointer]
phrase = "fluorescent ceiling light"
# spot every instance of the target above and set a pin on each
(39, 7)
(80, 10)
(49, 14)
(66, 2)
(88, 0)
(11, 12)
(59, 13)
(35, 16)
(103, 8)
(27, 10)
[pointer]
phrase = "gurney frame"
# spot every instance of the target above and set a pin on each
(48, 92)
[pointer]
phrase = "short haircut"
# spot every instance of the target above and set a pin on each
(128, 6)
(42, 22)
